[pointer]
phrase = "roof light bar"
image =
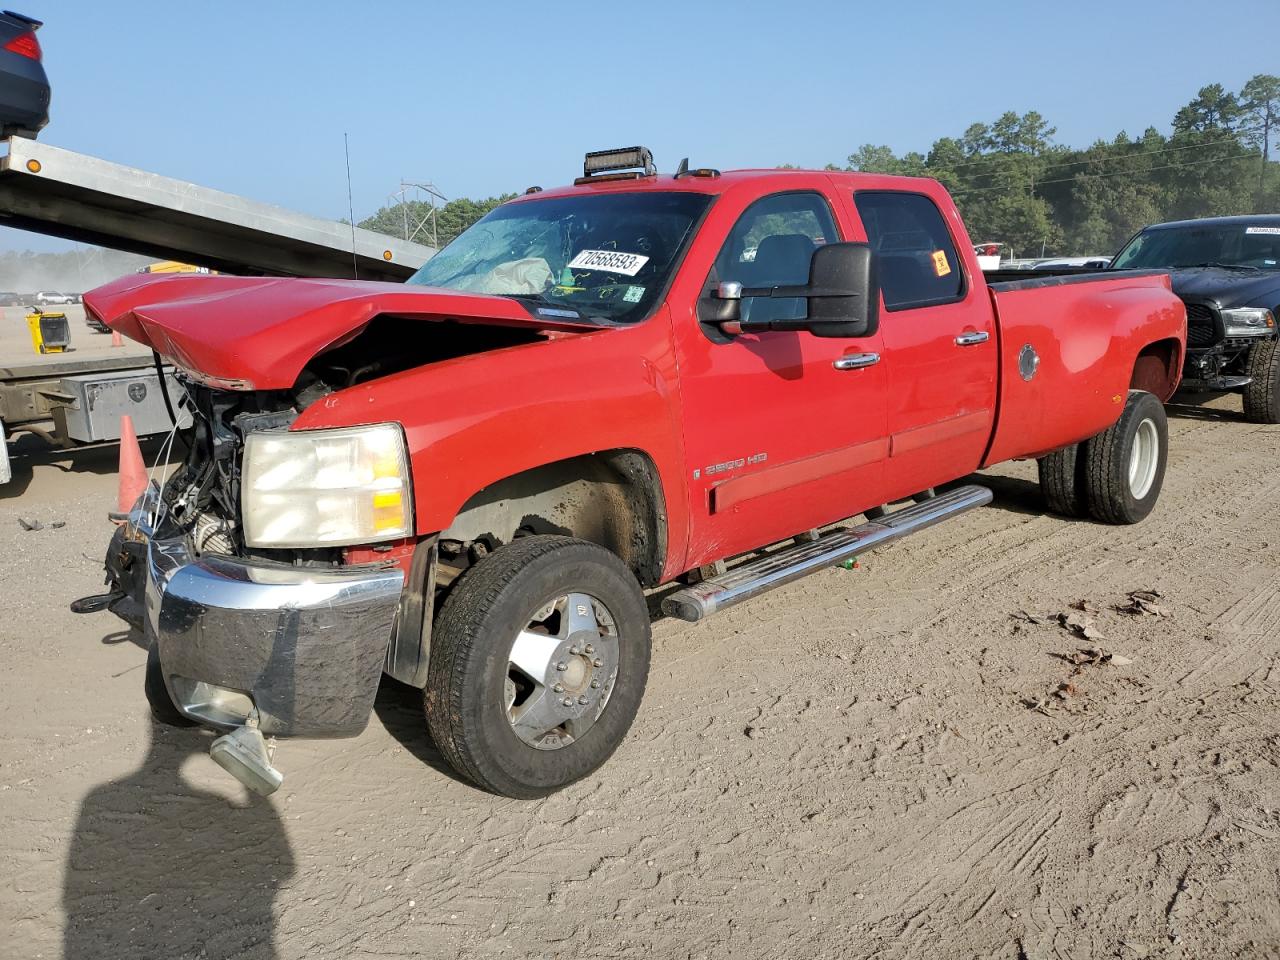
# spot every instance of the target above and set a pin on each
(624, 158)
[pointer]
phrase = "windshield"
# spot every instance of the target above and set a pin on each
(607, 256)
(1238, 245)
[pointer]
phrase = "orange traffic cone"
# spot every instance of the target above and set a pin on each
(133, 472)
(116, 339)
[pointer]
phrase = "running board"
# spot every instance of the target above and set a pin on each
(793, 562)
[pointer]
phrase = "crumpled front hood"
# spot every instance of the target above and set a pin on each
(1228, 288)
(257, 333)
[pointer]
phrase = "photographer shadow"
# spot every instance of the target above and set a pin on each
(159, 868)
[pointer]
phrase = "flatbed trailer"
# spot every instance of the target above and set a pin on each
(65, 194)
(61, 193)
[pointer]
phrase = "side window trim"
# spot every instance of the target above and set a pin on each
(962, 294)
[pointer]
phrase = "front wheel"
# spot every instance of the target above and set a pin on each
(1125, 464)
(1262, 395)
(539, 659)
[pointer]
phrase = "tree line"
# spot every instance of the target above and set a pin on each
(451, 218)
(1015, 185)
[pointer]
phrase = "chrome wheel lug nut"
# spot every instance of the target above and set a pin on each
(595, 684)
(574, 650)
(597, 662)
(561, 666)
(583, 701)
(590, 649)
(568, 701)
(558, 688)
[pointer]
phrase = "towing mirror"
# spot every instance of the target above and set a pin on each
(843, 294)
(844, 291)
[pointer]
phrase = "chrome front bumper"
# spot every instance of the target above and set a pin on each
(303, 646)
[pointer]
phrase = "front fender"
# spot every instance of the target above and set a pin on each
(473, 421)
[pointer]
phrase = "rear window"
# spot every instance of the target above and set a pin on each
(917, 261)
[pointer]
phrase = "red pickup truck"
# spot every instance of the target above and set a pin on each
(470, 480)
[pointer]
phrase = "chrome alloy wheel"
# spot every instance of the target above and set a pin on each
(1144, 459)
(562, 667)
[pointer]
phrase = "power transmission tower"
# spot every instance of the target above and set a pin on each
(417, 203)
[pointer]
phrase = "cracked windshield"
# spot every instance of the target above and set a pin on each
(605, 257)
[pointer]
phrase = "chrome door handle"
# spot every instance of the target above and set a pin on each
(972, 337)
(856, 361)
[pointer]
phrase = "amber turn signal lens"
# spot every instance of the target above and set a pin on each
(33, 166)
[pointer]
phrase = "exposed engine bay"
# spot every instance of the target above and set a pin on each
(203, 495)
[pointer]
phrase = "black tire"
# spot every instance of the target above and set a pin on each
(470, 645)
(1262, 396)
(162, 707)
(1062, 482)
(1110, 494)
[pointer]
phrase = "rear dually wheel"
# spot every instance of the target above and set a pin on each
(1125, 464)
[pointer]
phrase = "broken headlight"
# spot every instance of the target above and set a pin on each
(326, 488)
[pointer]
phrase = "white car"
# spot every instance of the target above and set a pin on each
(46, 297)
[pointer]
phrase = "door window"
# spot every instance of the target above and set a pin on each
(771, 246)
(917, 261)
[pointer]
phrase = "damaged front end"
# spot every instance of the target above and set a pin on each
(269, 591)
(259, 642)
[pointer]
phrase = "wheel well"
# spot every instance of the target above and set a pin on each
(612, 498)
(1157, 368)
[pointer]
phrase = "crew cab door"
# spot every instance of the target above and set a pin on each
(784, 431)
(942, 355)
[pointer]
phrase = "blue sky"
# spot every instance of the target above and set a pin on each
(482, 98)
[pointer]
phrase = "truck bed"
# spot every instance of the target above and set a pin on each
(1078, 334)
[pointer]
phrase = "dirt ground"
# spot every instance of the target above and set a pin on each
(868, 763)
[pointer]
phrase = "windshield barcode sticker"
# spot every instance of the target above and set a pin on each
(1271, 231)
(628, 264)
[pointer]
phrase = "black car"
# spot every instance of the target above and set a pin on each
(1227, 271)
(24, 88)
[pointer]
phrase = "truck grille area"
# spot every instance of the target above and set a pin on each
(1202, 325)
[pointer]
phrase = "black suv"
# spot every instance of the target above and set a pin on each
(1227, 272)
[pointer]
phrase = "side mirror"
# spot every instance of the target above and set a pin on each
(844, 291)
(843, 294)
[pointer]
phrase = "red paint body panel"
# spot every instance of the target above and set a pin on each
(472, 421)
(1088, 337)
(770, 394)
(755, 439)
(942, 396)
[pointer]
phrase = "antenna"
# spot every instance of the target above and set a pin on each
(351, 210)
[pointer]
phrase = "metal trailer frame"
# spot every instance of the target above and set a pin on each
(71, 195)
(35, 397)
